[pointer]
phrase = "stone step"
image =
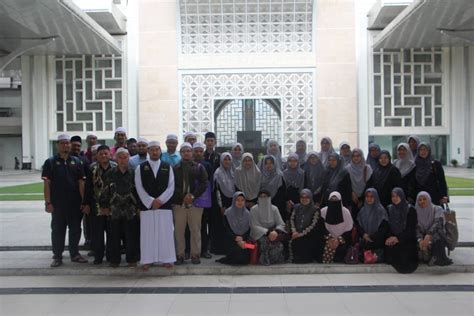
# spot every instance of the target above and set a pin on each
(23, 263)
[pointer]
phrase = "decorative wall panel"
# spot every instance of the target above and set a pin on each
(89, 93)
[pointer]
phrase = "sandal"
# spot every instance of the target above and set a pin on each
(79, 259)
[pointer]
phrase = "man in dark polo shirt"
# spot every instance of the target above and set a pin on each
(63, 176)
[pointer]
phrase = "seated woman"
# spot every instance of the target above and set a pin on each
(247, 179)
(401, 246)
(268, 229)
(307, 230)
(338, 223)
(274, 182)
(237, 227)
(430, 231)
(372, 224)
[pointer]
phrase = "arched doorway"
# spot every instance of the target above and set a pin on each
(251, 122)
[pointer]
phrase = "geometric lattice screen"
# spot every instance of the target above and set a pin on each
(245, 26)
(408, 88)
(294, 90)
(231, 120)
(89, 93)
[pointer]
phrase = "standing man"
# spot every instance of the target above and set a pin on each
(119, 201)
(211, 155)
(190, 137)
(198, 154)
(63, 177)
(190, 183)
(171, 157)
(120, 138)
(76, 146)
(142, 153)
(132, 146)
(91, 141)
(154, 180)
(95, 185)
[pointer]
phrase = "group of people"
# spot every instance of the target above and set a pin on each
(183, 204)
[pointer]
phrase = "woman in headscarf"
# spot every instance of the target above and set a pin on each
(273, 149)
(337, 179)
(224, 187)
(294, 180)
(345, 152)
(430, 231)
(236, 152)
(247, 179)
(307, 230)
(429, 175)
(268, 229)
(401, 246)
(360, 174)
(301, 152)
(413, 141)
(385, 178)
(372, 224)
(339, 224)
(373, 155)
(326, 150)
(273, 182)
(406, 165)
(237, 231)
(314, 175)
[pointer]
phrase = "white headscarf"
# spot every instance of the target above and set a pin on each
(325, 154)
(237, 160)
(346, 225)
(248, 181)
(264, 216)
(225, 177)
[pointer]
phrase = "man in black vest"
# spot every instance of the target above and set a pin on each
(154, 180)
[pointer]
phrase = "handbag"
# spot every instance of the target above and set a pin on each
(254, 254)
(451, 227)
(352, 255)
(370, 257)
(205, 199)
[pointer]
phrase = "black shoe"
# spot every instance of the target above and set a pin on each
(179, 261)
(79, 259)
(206, 255)
(97, 262)
(195, 260)
(56, 263)
(90, 253)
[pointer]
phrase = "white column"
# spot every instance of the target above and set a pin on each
(470, 103)
(130, 65)
(26, 115)
(458, 101)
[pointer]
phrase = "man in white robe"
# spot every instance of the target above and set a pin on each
(154, 180)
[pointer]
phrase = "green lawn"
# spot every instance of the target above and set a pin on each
(24, 188)
(453, 183)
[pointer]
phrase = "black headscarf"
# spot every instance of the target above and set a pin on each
(334, 212)
(423, 165)
(335, 176)
(313, 173)
(382, 173)
(397, 214)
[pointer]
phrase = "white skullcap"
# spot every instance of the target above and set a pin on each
(154, 143)
(172, 137)
(142, 140)
(121, 130)
(120, 151)
(64, 137)
(187, 134)
(198, 145)
(184, 145)
(91, 134)
(95, 147)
